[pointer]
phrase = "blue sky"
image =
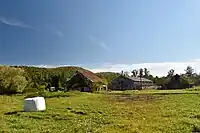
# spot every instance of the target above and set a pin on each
(100, 35)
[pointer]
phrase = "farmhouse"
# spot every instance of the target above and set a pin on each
(85, 81)
(177, 82)
(129, 83)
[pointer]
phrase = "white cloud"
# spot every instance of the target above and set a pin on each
(15, 22)
(59, 33)
(99, 43)
(159, 69)
(54, 30)
(43, 66)
(51, 66)
(103, 45)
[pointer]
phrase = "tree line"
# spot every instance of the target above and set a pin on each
(190, 76)
(18, 79)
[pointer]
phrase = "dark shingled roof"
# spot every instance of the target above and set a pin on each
(90, 76)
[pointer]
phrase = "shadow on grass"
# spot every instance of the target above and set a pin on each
(13, 112)
(79, 112)
(195, 129)
(19, 112)
(125, 94)
(137, 97)
(37, 117)
(146, 96)
(151, 93)
(174, 93)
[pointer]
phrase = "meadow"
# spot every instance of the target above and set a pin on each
(150, 111)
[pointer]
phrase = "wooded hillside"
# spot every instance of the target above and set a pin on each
(43, 78)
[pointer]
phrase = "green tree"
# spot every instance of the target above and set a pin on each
(170, 73)
(150, 77)
(12, 80)
(160, 80)
(107, 76)
(141, 72)
(126, 73)
(189, 71)
(146, 73)
(59, 84)
(134, 73)
(122, 72)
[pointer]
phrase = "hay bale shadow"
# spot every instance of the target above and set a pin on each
(195, 129)
(79, 112)
(13, 112)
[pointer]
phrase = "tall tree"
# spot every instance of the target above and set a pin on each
(134, 73)
(146, 73)
(141, 72)
(170, 73)
(141, 75)
(122, 72)
(150, 77)
(126, 73)
(189, 71)
(160, 80)
(12, 80)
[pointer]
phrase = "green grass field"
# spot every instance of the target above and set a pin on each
(114, 112)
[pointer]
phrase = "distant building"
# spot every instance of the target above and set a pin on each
(85, 81)
(197, 82)
(129, 83)
(177, 82)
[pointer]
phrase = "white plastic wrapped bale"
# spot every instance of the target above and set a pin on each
(34, 104)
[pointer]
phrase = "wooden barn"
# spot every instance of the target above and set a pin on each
(177, 82)
(129, 83)
(85, 81)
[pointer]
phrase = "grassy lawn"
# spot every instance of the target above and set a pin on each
(114, 112)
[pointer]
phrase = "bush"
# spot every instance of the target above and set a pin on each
(12, 80)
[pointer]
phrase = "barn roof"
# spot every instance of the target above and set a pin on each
(179, 78)
(90, 76)
(138, 79)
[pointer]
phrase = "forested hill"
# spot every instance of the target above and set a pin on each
(17, 79)
(109, 76)
(35, 77)
(67, 71)
(37, 74)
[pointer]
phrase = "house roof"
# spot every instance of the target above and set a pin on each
(90, 76)
(138, 79)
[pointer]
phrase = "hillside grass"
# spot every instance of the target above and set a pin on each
(149, 111)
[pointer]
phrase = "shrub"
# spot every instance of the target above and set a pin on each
(12, 80)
